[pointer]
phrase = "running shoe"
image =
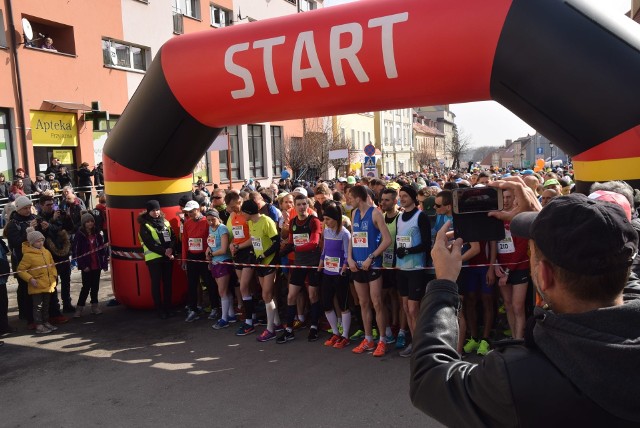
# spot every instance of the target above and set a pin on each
(390, 339)
(214, 314)
(286, 336)
(50, 326)
(313, 334)
(407, 351)
(471, 346)
(232, 320)
(364, 346)
(220, 324)
(259, 321)
(359, 334)
(245, 329)
(343, 342)
(266, 336)
(381, 349)
(191, 316)
(483, 347)
(401, 341)
(297, 324)
(278, 328)
(332, 340)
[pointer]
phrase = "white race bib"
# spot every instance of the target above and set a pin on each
(359, 240)
(403, 241)
(332, 264)
(300, 239)
(387, 257)
(211, 241)
(195, 244)
(257, 244)
(238, 232)
(506, 246)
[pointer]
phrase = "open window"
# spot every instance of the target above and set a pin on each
(50, 36)
(125, 55)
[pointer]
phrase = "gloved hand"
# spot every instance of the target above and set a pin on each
(401, 252)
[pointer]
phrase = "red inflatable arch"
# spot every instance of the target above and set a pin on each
(562, 66)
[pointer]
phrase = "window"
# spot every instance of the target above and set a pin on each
(123, 55)
(3, 36)
(256, 152)
(291, 1)
(276, 149)
(61, 35)
(190, 8)
(220, 17)
(307, 5)
(235, 155)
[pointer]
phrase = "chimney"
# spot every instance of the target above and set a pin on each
(507, 143)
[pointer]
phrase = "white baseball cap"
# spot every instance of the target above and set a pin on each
(301, 190)
(191, 205)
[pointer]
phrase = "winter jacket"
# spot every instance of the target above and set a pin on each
(83, 176)
(38, 264)
(82, 246)
(573, 369)
(16, 232)
(146, 238)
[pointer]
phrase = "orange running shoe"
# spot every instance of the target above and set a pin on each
(364, 346)
(343, 342)
(381, 349)
(332, 340)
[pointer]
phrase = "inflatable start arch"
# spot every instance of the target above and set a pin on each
(562, 66)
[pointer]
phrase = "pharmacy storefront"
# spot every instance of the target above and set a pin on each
(54, 135)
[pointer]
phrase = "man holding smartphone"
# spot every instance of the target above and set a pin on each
(588, 332)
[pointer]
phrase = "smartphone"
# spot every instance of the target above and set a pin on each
(477, 200)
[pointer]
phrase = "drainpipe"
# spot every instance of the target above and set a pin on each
(19, 98)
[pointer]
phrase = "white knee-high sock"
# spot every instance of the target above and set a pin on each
(333, 321)
(346, 323)
(271, 311)
(224, 302)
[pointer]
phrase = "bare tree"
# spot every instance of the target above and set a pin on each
(309, 155)
(460, 144)
(425, 155)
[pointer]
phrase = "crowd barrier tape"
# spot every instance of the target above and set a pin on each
(138, 256)
(56, 263)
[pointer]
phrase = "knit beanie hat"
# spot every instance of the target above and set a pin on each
(22, 201)
(34, 236)
(85, 218)
(250, 207)
(410, 191)
(152, 205)
(332, 211)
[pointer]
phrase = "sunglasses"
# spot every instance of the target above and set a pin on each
(437, 205)
(216, 197)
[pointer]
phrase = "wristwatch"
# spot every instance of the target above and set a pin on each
(371, 256)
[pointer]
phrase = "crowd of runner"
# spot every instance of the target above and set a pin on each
(348, 257)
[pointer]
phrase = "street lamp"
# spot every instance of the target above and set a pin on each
(551, 147)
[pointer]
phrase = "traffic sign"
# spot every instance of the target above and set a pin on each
(539, 150)
(371, 174)
(369, 161)
(369, 150)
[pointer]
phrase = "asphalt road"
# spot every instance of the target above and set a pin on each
(129, 368)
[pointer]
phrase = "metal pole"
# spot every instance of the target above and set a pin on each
(229, 159)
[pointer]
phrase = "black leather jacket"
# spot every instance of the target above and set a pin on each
(574, 370)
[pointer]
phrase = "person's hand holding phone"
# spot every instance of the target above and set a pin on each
(446, 255)
(525, 198)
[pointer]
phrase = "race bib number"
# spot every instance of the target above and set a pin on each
(238, 232)
(195, 244)
(387, 257)
(332, 264)
(257, 244)
(506, 246)
(300, 239)
(403, 241)
(359, 240)
(211, 241)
